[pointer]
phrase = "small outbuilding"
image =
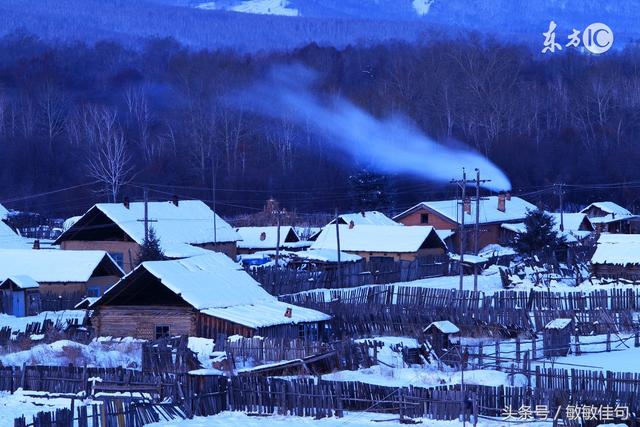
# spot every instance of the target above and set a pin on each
(20, 296)
(557, 337)
(438, 334)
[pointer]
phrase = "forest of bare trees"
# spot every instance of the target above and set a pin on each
(118, 119)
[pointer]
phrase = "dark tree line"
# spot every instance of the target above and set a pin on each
(120, 117)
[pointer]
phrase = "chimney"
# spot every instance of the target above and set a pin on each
(125, 202)
(508, 196)
(288, 312)
(351, 224)
(175, 200)
(36, 244)
(502, 207)
(362, 213)
(467, 206)
(263, 236)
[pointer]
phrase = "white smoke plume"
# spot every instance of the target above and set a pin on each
(390, 145)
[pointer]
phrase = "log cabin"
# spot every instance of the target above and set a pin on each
(205, 296)
(617, 256)
(62, 274)
(184, 228)
(383, 241)
(358, 218)
(609, 217)
(447, 215)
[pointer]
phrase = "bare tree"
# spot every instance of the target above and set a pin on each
(108, 159)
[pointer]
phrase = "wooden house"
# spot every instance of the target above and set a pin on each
(204, 296)
(609, 217)
(184, 228)
(62, 274)
(20, 296)
(358, 218)
(557, 337)
(255, 239)
(617, 256)
(438, 334)
(382, 242)
(447, 215)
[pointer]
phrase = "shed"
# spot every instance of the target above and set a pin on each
(20, 296)
(438, 334)
(557, 337)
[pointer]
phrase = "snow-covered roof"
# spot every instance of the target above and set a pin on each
(22, 281)
(181, 250)
(191, 221)
(515, 209)
(609, 208)
(52, 266)
(494, 250)
(571, 221)
(266, 313)
(619, 249)
(326, 255)
(376, 238)
(68, 223)
(444, 326)
(558, 323)
(469, 259)
(568, 234)
(445, 234)
(9, 239)
(4, 212)
(366, 218)
(252, 237)
(215, 285)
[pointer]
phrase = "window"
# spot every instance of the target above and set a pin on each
(424, 218)
(118, 257)
(162, 331)
(93, 292)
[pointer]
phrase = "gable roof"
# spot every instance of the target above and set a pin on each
(191, 221)
(366, 218)
(444, 326)
(571, 221)
(251, 237)
(609, 208)
(21, 281)
(215, 285)
(53, 265)
(515, 210)
(619, 249)
(376, 238)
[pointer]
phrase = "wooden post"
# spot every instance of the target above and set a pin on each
(339, 265)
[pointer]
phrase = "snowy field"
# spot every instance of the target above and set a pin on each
(20, 323)
(29, 403)
(360, 419)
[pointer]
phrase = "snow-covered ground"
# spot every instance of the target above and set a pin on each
(359, 419)
(101, 352)
(20, 323)
(29, 403)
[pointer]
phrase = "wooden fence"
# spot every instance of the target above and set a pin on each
(279, 281)
(396, 309)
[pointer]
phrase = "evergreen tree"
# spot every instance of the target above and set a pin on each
(151, 249)
(539, 234)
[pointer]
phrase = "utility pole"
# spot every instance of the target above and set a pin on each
(561, 200)
(278, 238)
(146, 215)
(338, 248)
(213, 194)
(463, 185)
(476, 229)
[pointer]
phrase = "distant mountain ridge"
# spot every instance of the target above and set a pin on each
(251, 25)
